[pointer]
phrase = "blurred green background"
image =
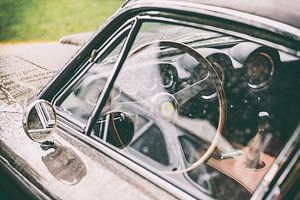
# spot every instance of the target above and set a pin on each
(48, 20)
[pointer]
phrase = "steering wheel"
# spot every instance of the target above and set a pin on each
(194, 89)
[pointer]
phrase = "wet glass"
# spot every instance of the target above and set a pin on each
(82, 97)
(194, 113)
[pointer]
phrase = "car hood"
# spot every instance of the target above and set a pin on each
(20, 81)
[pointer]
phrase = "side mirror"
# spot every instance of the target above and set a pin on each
(39, 121)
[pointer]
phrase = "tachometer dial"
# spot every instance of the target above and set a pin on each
(259, 70)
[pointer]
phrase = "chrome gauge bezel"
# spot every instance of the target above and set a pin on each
(271, 74)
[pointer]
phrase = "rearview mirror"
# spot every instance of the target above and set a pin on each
(39, 121)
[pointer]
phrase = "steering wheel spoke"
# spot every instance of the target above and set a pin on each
(189, 92)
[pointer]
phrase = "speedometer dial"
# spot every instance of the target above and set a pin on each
(259, 70)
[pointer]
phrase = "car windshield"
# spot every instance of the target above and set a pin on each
(206, 111)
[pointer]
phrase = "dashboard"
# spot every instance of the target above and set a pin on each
(256, 82)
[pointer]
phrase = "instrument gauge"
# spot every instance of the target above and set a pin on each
(168, 75)
(259, 70)
(210, 91)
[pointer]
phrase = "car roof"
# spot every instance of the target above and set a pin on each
(283, 11)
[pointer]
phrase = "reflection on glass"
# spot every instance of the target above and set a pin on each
(152, 144)
(83, 95)
(65, 165)
(40, 121)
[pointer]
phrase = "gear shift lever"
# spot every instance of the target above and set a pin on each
(256, 144)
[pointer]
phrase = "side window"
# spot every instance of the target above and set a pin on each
(80, 100)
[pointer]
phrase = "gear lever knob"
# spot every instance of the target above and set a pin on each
(262, 120)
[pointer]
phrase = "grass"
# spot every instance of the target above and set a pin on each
(48, 20)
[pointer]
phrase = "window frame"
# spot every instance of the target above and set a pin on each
(71, 121)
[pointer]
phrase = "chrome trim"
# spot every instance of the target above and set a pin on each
(105, 47)
(70, 121)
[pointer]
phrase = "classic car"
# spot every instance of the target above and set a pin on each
(167, 100)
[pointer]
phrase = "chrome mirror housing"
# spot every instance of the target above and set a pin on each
(39, 121)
